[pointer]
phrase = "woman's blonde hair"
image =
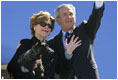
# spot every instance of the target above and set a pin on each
(40, 17)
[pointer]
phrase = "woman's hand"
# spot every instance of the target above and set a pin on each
(72, 45)
(35, 65)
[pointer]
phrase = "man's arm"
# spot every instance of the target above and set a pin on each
(98, 4)
(95, 19)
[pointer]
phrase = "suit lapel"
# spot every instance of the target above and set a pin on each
(60, 44)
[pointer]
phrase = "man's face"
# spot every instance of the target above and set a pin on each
(66, 18)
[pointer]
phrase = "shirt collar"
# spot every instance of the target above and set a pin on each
(70, 31)
(63, 32)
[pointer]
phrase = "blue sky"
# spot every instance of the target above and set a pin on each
(15, 25)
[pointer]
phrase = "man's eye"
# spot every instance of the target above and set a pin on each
(65, 14)
(71, 13)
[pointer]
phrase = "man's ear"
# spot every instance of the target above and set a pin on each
(58, 21)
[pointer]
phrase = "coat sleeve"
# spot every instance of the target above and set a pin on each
(28, 58)
(14, 68)
(94, 21)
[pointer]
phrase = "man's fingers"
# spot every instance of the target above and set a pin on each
(72, 38)
(76, 39)
(79, 44)
(65, 41)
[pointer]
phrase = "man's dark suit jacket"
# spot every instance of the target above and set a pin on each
(82, 64)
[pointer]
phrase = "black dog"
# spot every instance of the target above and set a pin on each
(47, 60)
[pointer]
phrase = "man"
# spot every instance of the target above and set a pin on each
(81, 62)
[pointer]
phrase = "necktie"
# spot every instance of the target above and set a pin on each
(67, 36)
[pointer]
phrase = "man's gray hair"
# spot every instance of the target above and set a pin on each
(64, 5)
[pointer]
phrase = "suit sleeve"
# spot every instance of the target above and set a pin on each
(94, 22)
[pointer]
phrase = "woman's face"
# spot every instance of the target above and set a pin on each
(42, 30)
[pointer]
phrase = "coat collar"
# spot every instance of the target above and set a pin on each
(34, 40)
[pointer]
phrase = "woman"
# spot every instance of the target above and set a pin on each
(33, 58)
(41, 24)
